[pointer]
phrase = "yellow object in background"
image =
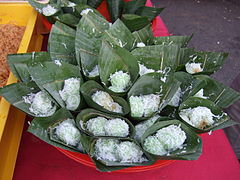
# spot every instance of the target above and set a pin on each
(11, 119)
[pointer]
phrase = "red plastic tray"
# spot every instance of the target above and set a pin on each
(86, 160)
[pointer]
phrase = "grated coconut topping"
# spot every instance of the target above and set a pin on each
(144, 105)
(86, 11)
(105, 100)
(96, 126)
(116, 127)
(141, 44)
(143, 126)
(101, 126)
(166, 140)
(193, 68)
(199, 117)
(116, 151)
(49, 10)
(200, 94)
(144, 70)
(70, 93)
(40, 104)
(119, 81)
(68, 133)
(176, 98)
(58, 62)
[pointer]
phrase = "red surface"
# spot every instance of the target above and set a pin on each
(85, 159)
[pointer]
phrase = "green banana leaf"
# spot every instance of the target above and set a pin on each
(221, 119)
(135, 22)
(190, 85)
(113, 58)
(115, 8)
(72, 7)
(86, 142)
(193, 144)
(79, 1)
(87, 114)
(211, 61)
(220, 94)
(50, 77)
(149, 12)
(87, 52)
(88, 40)
(120, 35)
(81, 6)
(94, 3)
(40, 128)
(40, 7)
(161, 58)
(144, 35)
(184, 55)
(117, 165)
(67, 19)
(53, 136)
(93, 24)
(18, 63)
(103, 168)
(182, 41)
(131, 7)
(90, 87)
(14, 93)
(61, 43)
(153, 83)
(170, 112)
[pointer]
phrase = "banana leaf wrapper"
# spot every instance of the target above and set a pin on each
(184, 57)
(144, 35)
(69, 7)
(192, 148)
(119, 34)
(19, 63)
(40, 7)
(106, 166)
(94, 3)
(222, 95)
(90, 87)
(40, 128)
(149, 12)
(115, 9)
(221, 119)
(182, 41)
(112, 59)
(88, 41)
(153, 83)
(162, 58)
(135, 22)
(55, 138)
(88, 114)
(50, 77)
(61, 43)
(15, 92)
(131, 7)
(67, 19)
(210, 61)
(190, 85)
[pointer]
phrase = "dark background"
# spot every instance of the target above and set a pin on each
(216, 27)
